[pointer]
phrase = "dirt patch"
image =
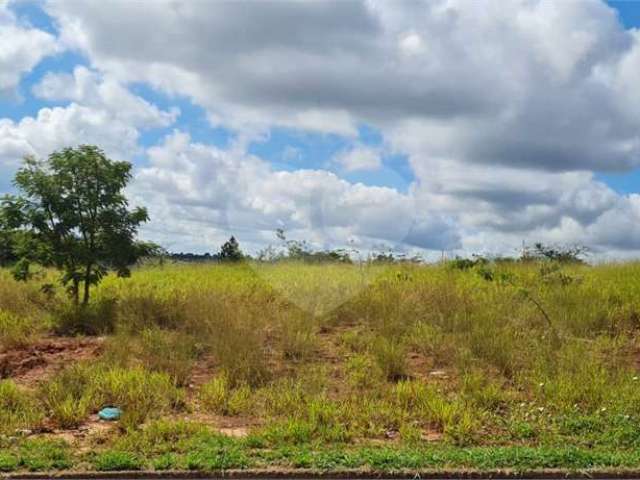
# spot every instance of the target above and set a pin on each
(203, 371)
(38, 361)
(84, 438)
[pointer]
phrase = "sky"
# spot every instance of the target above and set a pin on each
(418, 126)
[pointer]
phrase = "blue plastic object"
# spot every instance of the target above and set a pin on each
(110, 413)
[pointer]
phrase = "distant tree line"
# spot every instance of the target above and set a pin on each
(229, 252)
(538, 252)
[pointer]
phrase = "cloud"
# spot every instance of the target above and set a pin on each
(505, 111)
(359, 158)
(523, 84)
(100, 112)
(208, 192)
(88, 88)
(21, 48)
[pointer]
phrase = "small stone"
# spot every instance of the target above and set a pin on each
(391, 434)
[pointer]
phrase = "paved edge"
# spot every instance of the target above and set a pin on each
(300, 474)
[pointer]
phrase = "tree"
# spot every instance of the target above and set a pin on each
(230, 251)
(555, 253)
(7, 246)
(72, 214)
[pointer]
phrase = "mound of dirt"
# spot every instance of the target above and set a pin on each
(40, 360)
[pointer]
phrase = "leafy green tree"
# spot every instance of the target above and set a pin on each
(230, 251)
(72, 214)
(7, 245)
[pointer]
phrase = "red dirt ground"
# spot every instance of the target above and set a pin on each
(29, 365)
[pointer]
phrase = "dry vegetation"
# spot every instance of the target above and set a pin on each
(384, 366)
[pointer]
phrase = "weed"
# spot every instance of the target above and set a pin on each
(139, 393)
(391, 357)
(97, 318)
(363, 373)
(298, 338)
(113, 460)
(170, 352)
(16, 331)
(18, 410)
(67, 397)
(218, 396)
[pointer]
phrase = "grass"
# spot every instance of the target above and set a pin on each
(18, 409)
(340, 366)
(217, 396)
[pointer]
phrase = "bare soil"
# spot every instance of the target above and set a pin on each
(30, 365)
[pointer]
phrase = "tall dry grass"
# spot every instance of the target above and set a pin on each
(531, 354)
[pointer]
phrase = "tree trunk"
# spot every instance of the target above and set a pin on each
(87, 285)
(76, 292)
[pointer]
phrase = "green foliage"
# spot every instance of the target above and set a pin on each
(72, 214)
(67, 397)
(230, 251)
(113, 460)
(301, 251)
(43, 455)
(7, 246)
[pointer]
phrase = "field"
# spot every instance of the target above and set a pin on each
(379, 366)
